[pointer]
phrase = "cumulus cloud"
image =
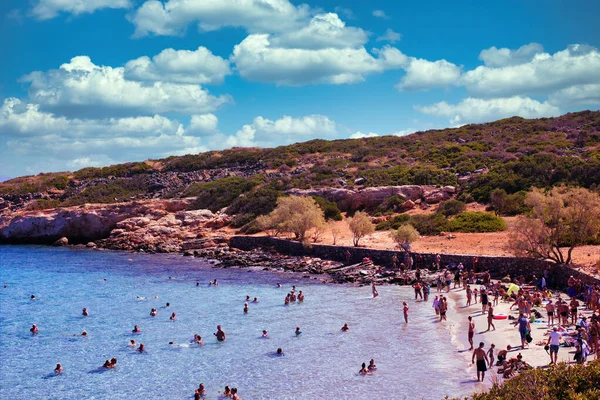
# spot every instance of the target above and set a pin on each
(578, 95)
(80, 87)
(203, 125)
(544, 74)
(494, 57)
(258, 60)
(286, 130)
(66, 143)
(472, 110)
(360, 135)
(389, 36)
(323, 31)
(173, 16)
(380, 14)
(179, 66)
(47, 9)
(423, 74)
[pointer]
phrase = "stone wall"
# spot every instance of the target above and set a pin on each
(497, 266)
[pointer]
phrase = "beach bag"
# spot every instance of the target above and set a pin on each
(528, 337)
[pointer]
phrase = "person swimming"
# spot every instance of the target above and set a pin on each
(278, 284)
(255, 300)
(32, 297)
(280, 352)
(287, 300)
(245, 308)
(265, 334)
(226, 391)
(173, 317)
(247, 298)
(34, 329)
(298, 331)
(58, 369)
(153, 312)
(300, 296)
(234, 395)
(84, 312)
(202, 389)
(132, 343)
(107, 364)
(141, 349)
(345, 328)
(84, 333)
(363, 370)
(220, 334)
(136, 329)
(372, 367)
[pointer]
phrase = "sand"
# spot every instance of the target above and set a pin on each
(506, 333)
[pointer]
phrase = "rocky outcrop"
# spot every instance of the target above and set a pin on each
(81, 224)
(371, 197)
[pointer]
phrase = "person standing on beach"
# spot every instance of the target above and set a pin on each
(443, 308)
(490, 354)
(436, 305)
(554, 342)
(490, 318)
(426, 290)
(484, 300)
(524, 326)
(471, 331)
(374, 289)
(405, 310)
(550, 311)
(482, 361)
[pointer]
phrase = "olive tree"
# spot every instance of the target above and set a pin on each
(360, 226)
(405, 235)
(560, 220)
(293, 214)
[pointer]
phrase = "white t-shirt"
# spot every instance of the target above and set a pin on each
(554, 338)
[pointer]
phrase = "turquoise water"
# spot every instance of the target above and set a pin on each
(414, 362)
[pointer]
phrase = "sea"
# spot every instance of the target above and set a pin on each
(415, 360)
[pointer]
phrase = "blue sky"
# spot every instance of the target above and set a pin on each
(104, 81)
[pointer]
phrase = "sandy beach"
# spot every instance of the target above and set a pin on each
(506, 333)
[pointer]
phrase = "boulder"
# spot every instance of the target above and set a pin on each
(63, 241)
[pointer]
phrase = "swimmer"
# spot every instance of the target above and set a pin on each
(84, 312)
(141, 349)
(287, 300)
(201, 389)
(168, 305)
(58, 369)
(255, 300)
(301, 297)
(197, 283)
(173, 317)
(215, 283)
(140, 298)
(153, 312)
(292, 297)
(132, 343)
(245, 308)
(234, 395)
(372, 367)
(280, 352)
(345, 328)
(278, 284)
(298, 331)
(226, 391)
(199, 340)
(136, 329)
(113, 362)
(265, 334)
(107, 364)
(247, 298)
(34, 329)
(84, 333)
(363, 369)
(220, 334)
(32, 297)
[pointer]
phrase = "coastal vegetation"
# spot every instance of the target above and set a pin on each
(360, 225)
(293, 214)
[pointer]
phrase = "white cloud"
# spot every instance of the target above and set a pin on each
(179, 66)
(65, 143)
(323, 31)
(480, 110)
(286, 130)
(380, 14)
(389, 36)
(403, 132)
(579, 95)
(47, 9)
(348, 13)
(204, 124)
(545, 73)
(83, 88)
(173, 17)
(494, 57)
(258, 60)
(423, 74)
(360, 135)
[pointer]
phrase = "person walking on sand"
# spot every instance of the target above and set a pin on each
(482, 361)
(524, 327)
(374, 289)
(443, 308)
(471, 331)
(554, 342)
(550, 311)
(490, 354)
(490, 318)
(405, 310)
(436, 305)
(469, 295)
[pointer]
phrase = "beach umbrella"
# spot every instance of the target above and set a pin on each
(513, 288)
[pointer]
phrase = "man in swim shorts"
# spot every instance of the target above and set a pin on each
(554, 342)
(550, 311)
(482, 361)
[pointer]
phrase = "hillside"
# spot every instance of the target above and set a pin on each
(513, 154)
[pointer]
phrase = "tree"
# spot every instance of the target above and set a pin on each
(560, 220)
(405, 235)
(293, 214)
(360, 226)
(451, 207)
(498, 200)
(335, 231)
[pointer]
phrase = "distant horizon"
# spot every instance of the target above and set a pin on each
(89, 84)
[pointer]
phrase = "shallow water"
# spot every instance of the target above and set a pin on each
(415, 361)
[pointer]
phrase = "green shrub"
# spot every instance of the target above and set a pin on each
(393, 223)
(43, 204)
(118, 170)
(330, 209)
(117, 190)
(258, 202)
(451, 207)
(219, 194)
(429, 225)
(242, 219)
(473, 222)
(392, 203)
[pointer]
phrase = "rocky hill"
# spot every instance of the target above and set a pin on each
(423, 168)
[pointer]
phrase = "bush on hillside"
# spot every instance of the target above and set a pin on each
(117, 190)
(392, 203)
(330, 209)
(221, 193)
(43, 204)
(393, 223)
(258, 202)
(451, 207)
(474, 222)
(118, 170)
(429, 225)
